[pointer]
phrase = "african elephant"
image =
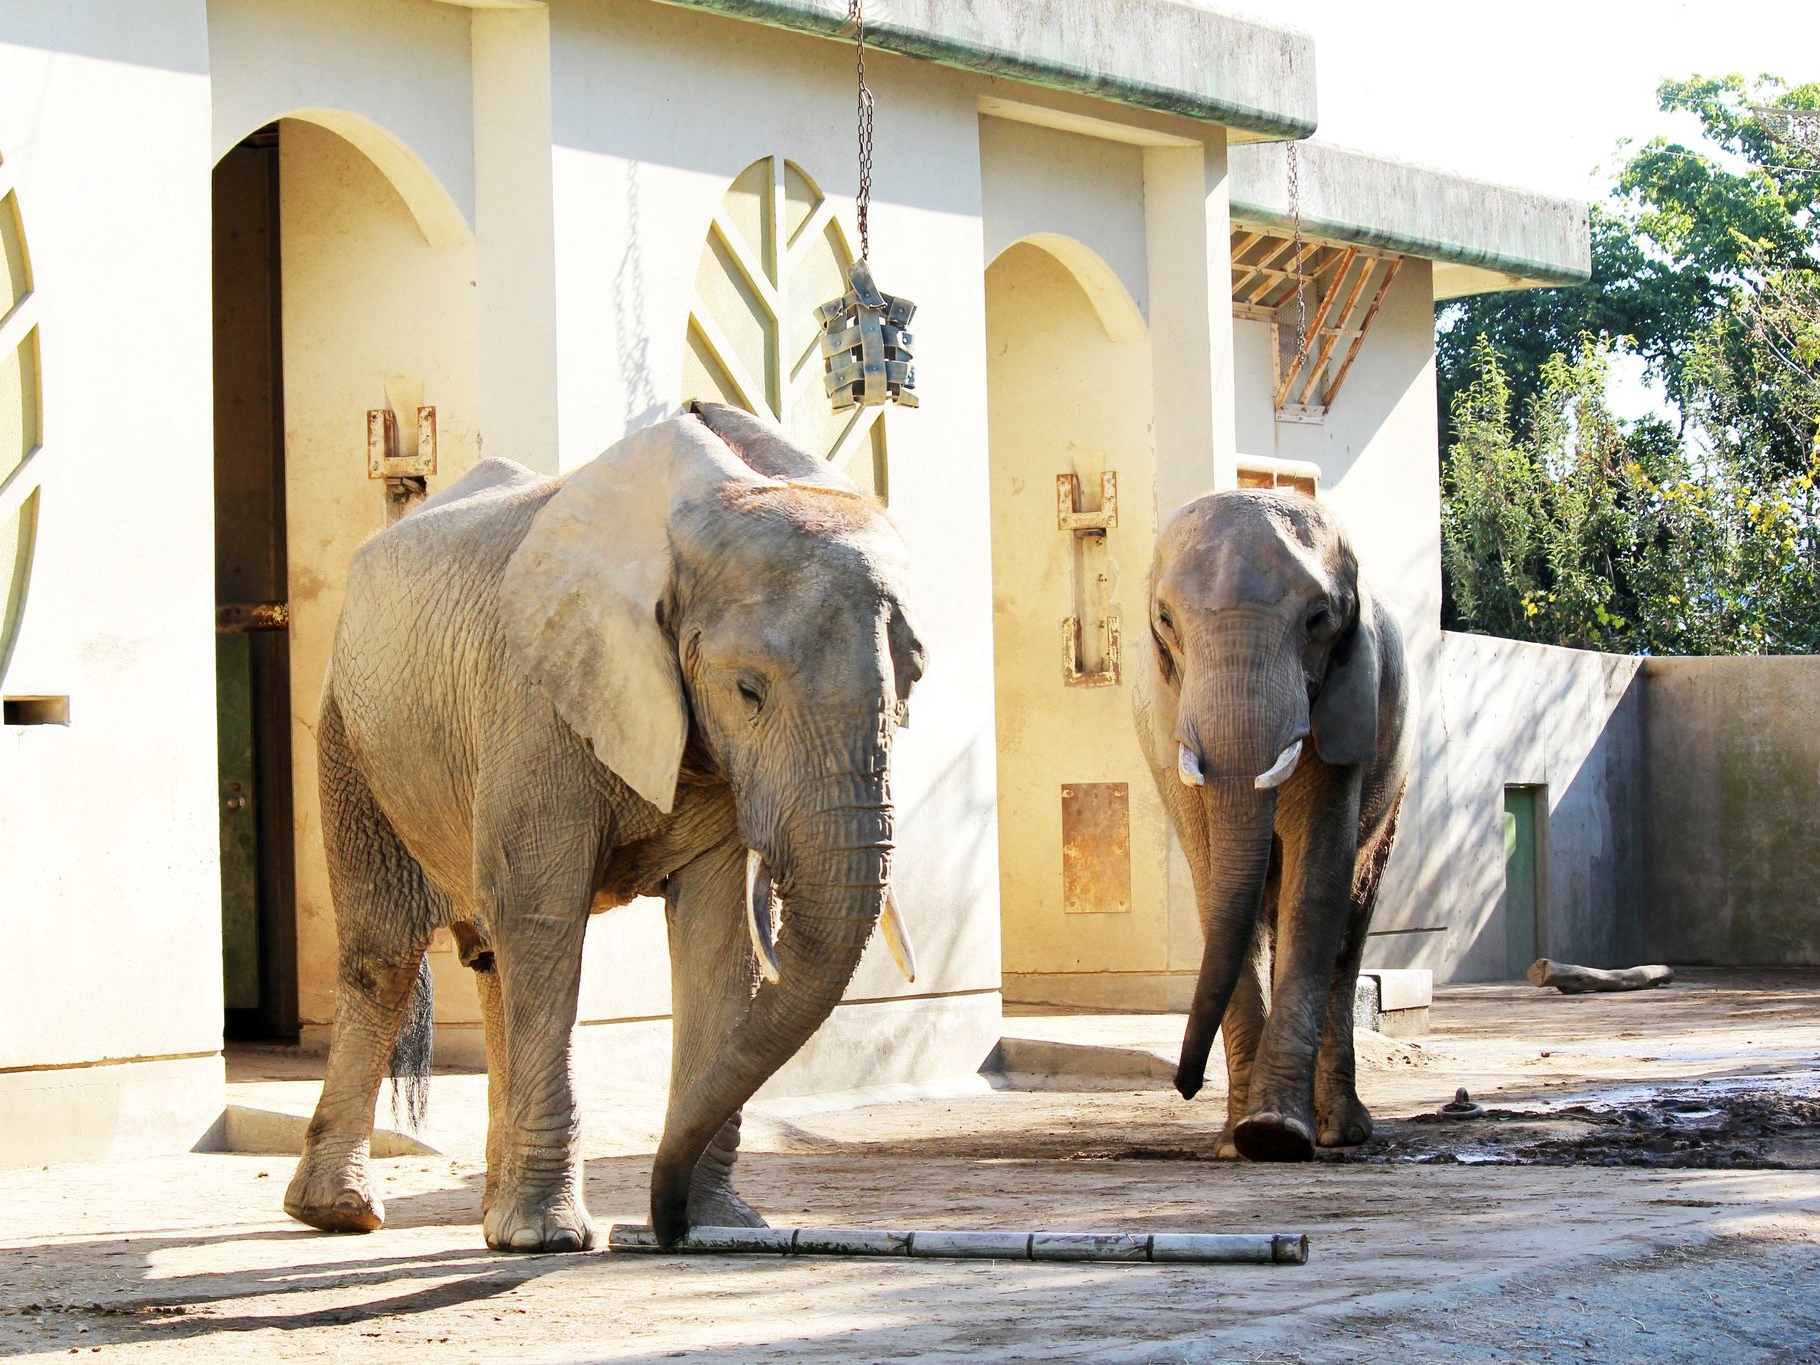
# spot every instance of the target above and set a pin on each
(674, 671)
(1263, 636)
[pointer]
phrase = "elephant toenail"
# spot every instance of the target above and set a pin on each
(525, 1239)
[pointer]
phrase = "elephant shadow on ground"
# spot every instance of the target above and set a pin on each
(186, 1306)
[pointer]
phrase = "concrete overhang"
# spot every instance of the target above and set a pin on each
(1482, 237)
(1175, 56)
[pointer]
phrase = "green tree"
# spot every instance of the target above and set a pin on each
(1535, 531)
(1621, 304)
(1692, 238)
(1565, 526)
(1732, 238)
(1570, 527)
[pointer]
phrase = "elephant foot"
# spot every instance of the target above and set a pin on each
(333, 1194)
(1343, 1124)
(530, 1223)
(1270, 1136)
(713, 1203)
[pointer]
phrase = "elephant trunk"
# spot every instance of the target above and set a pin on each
(1237, 731)
(832, 880)
(1240, 820)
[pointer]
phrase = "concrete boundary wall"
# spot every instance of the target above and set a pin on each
(1677, 810)
(1733, 771)
(1569, 725)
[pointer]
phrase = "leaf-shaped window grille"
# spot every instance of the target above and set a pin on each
(20, 426)
(775, 251)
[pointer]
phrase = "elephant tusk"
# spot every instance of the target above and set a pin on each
(1188, 767)
(1282, 770)
(897, 937)
(758, 916)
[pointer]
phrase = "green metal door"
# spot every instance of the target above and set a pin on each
(1522, 939)
(239, 822)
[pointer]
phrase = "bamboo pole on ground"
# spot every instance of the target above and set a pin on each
(1190, 1248)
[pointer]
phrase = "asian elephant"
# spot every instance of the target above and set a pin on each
(1272, 701)
(674, 671)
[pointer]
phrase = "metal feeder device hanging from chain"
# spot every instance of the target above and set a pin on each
(865, 345)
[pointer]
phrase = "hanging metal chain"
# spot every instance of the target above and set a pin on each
(863, 200)
(1295, 216)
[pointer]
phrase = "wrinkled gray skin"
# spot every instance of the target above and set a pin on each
(757, 622)
(1262, 634)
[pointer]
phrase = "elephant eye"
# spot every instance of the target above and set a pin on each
(1318, 616)
(753, 694)
(1165, 620)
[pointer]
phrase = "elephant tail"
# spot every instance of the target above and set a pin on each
(410, 1070)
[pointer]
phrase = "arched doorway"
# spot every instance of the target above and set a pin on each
(252, 648)
(343, 280)
(1082, 842)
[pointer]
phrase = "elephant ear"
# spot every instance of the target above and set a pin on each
(1345, 711)
(766, 449)
(580, 599)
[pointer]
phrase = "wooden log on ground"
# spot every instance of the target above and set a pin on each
(1571, 980)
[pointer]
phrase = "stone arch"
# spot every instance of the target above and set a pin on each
(1071, 409)
(1113, 305)
(435, 212)
(344, 287)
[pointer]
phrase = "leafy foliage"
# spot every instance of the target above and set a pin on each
(1566, 526)
(1623, 301)
(1688, 230)
(1574, 528)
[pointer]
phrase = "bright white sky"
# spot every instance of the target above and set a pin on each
(1535, 93)
(1530, 92)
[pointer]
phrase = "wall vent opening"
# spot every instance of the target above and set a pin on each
(37, 710)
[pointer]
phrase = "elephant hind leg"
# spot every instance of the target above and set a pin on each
(385, 911)
(1341, 1118)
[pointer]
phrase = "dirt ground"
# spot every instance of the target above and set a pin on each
(1644, 1184)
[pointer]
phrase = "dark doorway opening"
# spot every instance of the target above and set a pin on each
(252, 656)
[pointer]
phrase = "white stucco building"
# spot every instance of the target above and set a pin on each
(234, 228)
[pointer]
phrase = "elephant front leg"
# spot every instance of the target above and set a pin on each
(1313, 913)
(712, 975)
(534, 1198)
(1242, 1028)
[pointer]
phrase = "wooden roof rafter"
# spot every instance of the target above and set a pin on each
(1343, 287)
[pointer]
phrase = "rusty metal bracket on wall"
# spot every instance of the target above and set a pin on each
(1068, 514)
(404, 475)
(1089, 531)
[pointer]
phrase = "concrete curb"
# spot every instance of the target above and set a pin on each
(271, 1132)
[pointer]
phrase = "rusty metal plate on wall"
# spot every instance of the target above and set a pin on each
(1096, 848)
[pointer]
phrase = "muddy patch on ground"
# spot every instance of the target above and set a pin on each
(1677, 1129)
(1683, 1128)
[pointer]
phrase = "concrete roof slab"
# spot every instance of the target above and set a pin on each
(1482, 236)
(1177, 56)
